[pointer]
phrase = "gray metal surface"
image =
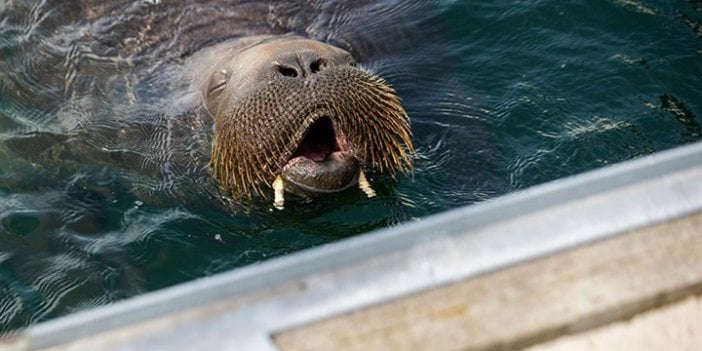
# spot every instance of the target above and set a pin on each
(241, 309)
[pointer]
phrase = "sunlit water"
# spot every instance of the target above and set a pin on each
(103, 195)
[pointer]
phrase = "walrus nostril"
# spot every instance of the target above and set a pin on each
(287, 71)
(317, 65)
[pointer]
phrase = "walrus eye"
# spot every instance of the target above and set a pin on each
(219, 81)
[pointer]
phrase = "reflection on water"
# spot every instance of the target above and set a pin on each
(104, 191)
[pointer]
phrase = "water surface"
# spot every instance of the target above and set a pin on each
(103, 197)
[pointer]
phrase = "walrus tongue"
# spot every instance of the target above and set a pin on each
(314, 150)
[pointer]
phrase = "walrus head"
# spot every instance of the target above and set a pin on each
(300, 112)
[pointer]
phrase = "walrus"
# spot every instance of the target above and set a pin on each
(297, 115)
(107, 130)
(263, 98)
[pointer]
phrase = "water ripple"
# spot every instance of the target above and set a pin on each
(104, 184)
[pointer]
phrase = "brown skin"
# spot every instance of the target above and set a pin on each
(297, 108)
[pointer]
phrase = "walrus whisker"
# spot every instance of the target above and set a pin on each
(363, 109)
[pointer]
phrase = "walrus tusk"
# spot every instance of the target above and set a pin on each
(278, 193)
(364, 185)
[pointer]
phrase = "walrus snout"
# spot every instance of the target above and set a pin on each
(322, 162)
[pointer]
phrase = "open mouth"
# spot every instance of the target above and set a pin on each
(320, 141)
(321, 163)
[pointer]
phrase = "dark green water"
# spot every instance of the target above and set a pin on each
(502, 95)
